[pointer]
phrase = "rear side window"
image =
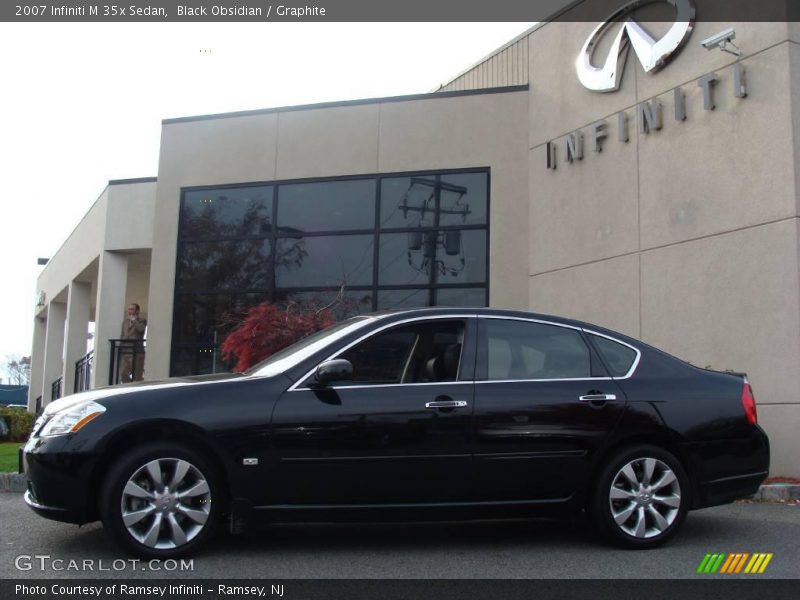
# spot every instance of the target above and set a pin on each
(618, 358)
(526, 350)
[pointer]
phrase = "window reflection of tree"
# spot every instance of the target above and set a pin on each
(214, 218)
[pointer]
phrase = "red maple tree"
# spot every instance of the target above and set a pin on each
(268, 328)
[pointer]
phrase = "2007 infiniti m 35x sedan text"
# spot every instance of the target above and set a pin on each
(432, 413)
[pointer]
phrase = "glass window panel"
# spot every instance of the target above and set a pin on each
(397, 263)
(524, 350)
(461, 297)
(408, 201)
(456, 256)
(327, 205)
(324, 261)
(463, 199)
(230, 212)
(344, 305)
(199, 360)
(619, 358)
(208, 318)
(393, 299)
(381, 359)
(242, 264)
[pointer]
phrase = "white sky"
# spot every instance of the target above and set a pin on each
(82, 103)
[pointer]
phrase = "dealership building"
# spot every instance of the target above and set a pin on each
(648, 185)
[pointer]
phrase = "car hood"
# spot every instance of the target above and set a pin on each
(112, 391)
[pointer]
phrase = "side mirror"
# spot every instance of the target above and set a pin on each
(332, 371)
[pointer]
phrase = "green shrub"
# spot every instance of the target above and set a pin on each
(20, 423)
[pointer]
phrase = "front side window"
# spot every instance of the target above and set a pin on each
(525, 350)
(418, 353)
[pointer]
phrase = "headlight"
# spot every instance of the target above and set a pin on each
(72, 419)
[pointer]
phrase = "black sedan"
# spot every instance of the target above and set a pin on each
(432, 413)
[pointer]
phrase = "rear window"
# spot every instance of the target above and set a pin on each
(618, 357)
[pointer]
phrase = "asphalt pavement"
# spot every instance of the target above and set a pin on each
(477, 549)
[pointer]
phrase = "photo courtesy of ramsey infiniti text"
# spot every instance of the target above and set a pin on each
(431, 413)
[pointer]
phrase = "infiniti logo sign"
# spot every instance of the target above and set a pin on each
(652, 54)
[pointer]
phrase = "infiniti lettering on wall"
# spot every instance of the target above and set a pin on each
(649, 116)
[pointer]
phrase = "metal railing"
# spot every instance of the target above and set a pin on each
(127, 361)
(56, 388)
(83, 373)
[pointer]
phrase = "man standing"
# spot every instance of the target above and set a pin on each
(131, 349)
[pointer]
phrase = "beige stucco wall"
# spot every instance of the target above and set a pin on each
(686, 237)
(121, 219)
(438, 132)
(76, 253)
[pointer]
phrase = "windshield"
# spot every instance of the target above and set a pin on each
(301, 350)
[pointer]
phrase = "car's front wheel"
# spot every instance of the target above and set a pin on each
(641, 497)
(160, 501)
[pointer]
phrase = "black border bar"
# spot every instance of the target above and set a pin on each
(160, 11)
(713, 588)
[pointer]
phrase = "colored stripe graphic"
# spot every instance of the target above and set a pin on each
(754, 563)
(765, 563)
(717, 564)
(726, 566)
(723, 563)
(741, 561)
(703, 563)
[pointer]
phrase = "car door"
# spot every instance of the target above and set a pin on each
(543, 405)
(397, 433)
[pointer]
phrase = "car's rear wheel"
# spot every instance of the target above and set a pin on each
(641, 497)
(160, 501)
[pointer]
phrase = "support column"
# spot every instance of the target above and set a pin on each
(53, 348)
(109, 311)
(78, 307)
(36, 388)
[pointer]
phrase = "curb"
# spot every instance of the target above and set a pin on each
(777, 492)
(773, 492)
(13, 482)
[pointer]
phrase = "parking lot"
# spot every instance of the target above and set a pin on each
(480, 549)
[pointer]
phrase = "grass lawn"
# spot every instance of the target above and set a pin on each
(9, 459)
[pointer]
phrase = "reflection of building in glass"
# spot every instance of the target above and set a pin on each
(348, 234)
(428, 251)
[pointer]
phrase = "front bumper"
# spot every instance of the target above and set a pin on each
(59, 479)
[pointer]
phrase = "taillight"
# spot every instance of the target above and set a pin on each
(749, 403)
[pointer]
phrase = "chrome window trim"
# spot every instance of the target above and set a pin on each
(386, 385)
(544, 380)
(295, 387)
(627, 375)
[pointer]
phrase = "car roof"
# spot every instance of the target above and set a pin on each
(481, 311)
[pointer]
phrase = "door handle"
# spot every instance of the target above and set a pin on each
(597, 397)
(445, 404)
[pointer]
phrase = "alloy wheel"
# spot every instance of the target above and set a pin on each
(645, 498)
(166, 503)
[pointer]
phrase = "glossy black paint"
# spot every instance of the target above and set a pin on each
(374, 451)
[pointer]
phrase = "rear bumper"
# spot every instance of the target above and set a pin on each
(729, 489)
(731, 470)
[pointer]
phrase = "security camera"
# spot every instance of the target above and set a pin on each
(721, 41)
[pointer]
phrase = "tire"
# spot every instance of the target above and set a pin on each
(641, 497)
(161, 500)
